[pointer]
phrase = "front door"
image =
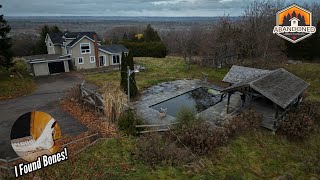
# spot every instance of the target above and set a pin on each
(102, 61)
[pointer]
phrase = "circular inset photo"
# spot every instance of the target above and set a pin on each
(35, 134)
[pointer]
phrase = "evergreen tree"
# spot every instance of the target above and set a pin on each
(127, 60)
(123, 69)
(5, 44)
(55, 29)
(150, 35)
(40, 46)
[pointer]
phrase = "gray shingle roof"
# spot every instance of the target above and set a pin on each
(280, 86)
(114, 48)
(239, 73)
(56, 38)
(79, 35)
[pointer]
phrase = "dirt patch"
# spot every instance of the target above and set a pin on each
(91, 119)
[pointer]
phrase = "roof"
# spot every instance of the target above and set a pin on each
(114, 48)
(45, 57)
(56, 38)
(75, 35)
(280, 86)
(239, 73)
(75, 41)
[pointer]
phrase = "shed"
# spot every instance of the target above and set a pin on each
(281, 87)
(47, 64)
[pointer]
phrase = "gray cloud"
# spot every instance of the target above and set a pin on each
(124, 7)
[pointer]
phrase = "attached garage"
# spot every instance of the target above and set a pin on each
(56, 67)
(47, 64)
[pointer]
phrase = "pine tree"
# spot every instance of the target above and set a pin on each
(123, 69)
(127, 60)
(5, 44)
(40, 46)
(150, 35)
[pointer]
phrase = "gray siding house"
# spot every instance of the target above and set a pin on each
(75, 51)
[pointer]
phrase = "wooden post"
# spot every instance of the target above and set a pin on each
(229, 95)
(277, 112)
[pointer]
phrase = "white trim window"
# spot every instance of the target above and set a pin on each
(80, 60)
(85, 48)
(92, 59)
(116, 59)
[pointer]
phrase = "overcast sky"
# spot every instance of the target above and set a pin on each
(123, 7)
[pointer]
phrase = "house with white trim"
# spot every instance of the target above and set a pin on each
(74, 51)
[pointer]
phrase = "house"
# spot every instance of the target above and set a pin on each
(271, 93)
(294, 22)
(74, 51)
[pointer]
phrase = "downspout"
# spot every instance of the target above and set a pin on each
(96, 51)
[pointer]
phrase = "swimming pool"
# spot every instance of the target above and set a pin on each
(197, 100)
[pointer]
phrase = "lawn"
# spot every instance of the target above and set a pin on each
(160, 70)
(15, 86)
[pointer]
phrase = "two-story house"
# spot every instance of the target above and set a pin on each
(74, 50)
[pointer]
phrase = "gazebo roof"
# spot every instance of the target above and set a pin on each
(239, 74)
(280, 86)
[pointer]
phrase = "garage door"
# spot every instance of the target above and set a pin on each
(56, 67)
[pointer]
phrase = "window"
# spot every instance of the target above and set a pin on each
(50, 44)
(116, 59)
(80, 60)
(92, 59)
(85, 48)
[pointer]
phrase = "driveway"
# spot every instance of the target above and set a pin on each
(46, 99)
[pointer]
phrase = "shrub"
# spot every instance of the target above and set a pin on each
(186, 118)
(298, 124)
(147, 49)
(127, 123)
(245, 120)
(201, 138)
(19, 66)
(154, 149)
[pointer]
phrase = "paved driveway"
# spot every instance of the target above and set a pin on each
(46, 99)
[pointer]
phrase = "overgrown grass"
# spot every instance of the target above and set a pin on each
(311, 74)
(160, 70)
(253, 155)
(15, 86)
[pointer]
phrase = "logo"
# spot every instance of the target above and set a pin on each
(35, 134)
(294, 23)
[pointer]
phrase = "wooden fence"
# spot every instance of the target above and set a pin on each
(91, 97)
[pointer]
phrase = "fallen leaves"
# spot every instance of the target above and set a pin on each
(90, 118)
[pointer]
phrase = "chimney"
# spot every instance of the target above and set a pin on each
(96, 52)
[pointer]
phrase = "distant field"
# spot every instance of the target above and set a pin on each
(101, 25)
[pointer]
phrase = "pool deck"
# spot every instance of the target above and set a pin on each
(168, 90)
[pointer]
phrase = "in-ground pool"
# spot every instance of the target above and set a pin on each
(197, 100)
